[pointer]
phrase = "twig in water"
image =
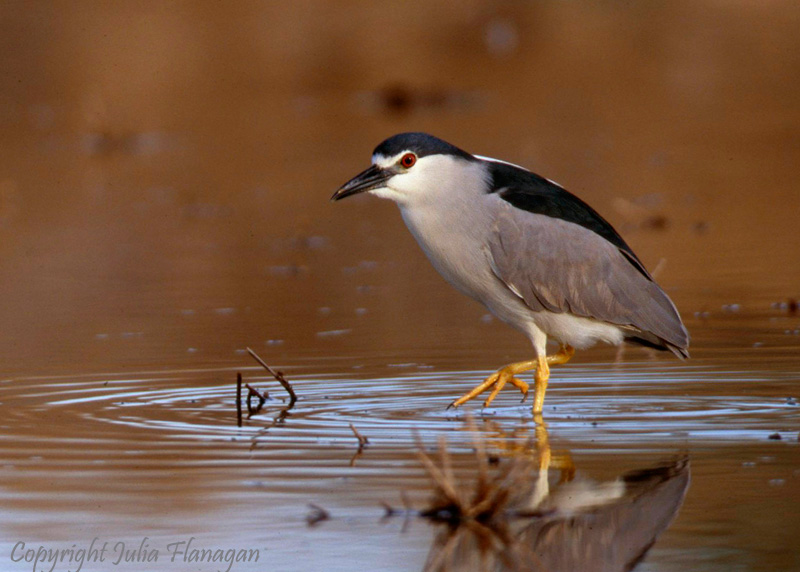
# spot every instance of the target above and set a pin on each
(659, 268)
(239, 399)
(277, 375)
(390, 510)
(361, 442)
(317, 515)
(361, 439)
(262, 398)
(407, 511)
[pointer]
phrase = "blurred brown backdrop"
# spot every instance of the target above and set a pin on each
(166, 167)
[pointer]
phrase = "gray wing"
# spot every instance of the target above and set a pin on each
(559, 266)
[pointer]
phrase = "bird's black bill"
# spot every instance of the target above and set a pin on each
(372, 178)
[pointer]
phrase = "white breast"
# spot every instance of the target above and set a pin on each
(454, 249)
(453, 233)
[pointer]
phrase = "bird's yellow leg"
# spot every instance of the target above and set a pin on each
(549, 459)
(542, 442)
(542, 375)
(540, 379)
(498, 380)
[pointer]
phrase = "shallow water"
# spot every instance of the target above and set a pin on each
(160, 215)
(157, 454)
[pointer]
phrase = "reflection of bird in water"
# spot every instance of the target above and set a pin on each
(536, 256)
(605, 526)
(517, 521)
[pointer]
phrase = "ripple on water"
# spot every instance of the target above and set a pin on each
(637, 402)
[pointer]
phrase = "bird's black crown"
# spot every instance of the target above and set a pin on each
(421, 144)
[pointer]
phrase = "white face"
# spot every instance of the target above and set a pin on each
(417, 179)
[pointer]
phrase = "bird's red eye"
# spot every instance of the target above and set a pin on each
(408, 160)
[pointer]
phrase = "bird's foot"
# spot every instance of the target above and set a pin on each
(507, 374)
(497, 381)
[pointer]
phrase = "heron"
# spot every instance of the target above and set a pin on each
(537, 256)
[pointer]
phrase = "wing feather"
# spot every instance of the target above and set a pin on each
(560, 266)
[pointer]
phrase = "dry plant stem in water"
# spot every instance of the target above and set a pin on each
(277, 375)
(238, 399)
(483, 512)
(262, 399)
(362, 442)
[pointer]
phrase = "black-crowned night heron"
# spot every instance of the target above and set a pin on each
(538, 257)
